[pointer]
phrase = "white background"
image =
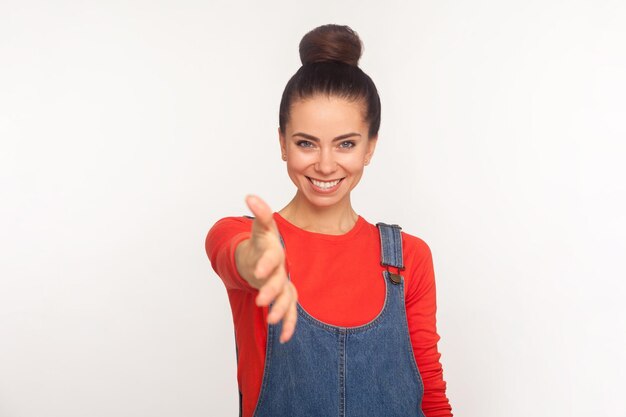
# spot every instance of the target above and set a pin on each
(129, 127)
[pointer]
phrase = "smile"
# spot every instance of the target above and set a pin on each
(325, 185)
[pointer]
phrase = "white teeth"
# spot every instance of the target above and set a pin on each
(325, 184)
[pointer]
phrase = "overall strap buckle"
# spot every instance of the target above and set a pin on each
(391, 249)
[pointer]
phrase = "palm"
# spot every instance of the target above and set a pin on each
(269, 275)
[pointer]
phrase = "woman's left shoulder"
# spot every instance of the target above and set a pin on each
(414, 246)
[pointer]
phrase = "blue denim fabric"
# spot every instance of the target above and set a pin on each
(361, 371)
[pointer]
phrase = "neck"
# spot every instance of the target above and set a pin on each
(337, 219)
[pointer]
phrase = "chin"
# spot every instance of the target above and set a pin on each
(323, 201)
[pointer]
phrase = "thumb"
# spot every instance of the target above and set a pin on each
(263, 218)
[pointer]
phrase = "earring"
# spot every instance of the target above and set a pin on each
(284, 157)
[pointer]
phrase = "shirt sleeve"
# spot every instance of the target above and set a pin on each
(220, 244)
(421, 308)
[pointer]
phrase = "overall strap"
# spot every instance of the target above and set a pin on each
(391, 248)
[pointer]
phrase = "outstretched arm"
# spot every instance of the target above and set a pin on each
(254, 259)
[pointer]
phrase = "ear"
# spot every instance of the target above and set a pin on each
(281, 140)
(371, 146)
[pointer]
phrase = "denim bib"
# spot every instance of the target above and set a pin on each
(362, 371)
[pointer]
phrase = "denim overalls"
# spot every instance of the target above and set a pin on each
(362, 371)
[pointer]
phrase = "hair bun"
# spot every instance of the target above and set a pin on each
(331, 43)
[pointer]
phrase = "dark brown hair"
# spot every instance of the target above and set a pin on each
(330, 56)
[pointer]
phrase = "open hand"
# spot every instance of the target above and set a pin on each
(261, 261)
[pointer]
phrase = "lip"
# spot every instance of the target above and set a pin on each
(317, 179)
(325, 191)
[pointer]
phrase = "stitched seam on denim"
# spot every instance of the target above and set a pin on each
(398, 258)
(383, 232)
(266, 367)
(416, 372)
(342, 374)
(355, 329)
(390, 245)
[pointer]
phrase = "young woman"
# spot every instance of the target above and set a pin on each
(333, 315)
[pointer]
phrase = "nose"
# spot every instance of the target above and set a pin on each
(326, 163)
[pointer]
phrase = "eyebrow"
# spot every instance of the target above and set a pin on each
(313, 138)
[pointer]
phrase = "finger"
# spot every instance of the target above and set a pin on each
(263, 219)
(289, 322)
(272, 287)
(268, 262)
(281, 305)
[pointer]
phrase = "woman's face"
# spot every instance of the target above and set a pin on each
(326, 146)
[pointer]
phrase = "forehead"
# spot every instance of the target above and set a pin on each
(326, 116)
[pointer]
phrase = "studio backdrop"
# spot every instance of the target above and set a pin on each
(128, 128)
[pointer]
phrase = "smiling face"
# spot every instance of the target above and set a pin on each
(326, 146)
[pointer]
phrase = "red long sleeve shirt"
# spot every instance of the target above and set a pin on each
(339, 281)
